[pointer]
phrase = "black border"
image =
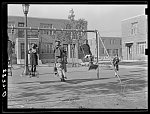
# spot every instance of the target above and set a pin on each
(4, 55)
(4, 52)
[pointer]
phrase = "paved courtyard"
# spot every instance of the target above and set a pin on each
(81, 90)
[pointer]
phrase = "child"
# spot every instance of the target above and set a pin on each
(115, 63)
(33, 59)
(59, 68)
(88, 55)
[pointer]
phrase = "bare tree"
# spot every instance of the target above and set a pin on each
(66, 35)
(81, 24)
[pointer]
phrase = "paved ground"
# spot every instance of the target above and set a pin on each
(81, 90)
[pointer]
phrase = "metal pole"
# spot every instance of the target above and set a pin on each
(72, 50)
(109, 57)
(52, 29)
(77, 52)
(26, 69)
(97, 54)
(13, 47)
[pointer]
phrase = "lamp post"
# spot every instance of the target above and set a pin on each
(26, 10)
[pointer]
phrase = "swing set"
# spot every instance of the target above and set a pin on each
(98, 37)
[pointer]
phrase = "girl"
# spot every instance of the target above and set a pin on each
(33, 59)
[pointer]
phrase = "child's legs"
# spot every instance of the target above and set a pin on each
(59, 71)
(115, 69)
(63, 73)
(65, 67)
(31, 68)
(34, 68)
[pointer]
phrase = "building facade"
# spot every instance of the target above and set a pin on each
(113, 46)
(44, 38)
(134, 38)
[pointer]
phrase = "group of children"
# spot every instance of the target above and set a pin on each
(61, 59)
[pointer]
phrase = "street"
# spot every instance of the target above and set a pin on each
(82, 88)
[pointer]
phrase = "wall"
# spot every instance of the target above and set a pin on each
(35, 22)
(117, 44)
(140, 36)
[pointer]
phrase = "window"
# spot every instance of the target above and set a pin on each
(68, 26)
(130, 50)
(78, 26)
(66, 48)
(103, 40)
(120, 42)
(22, 50)
(20, 24)
(51, 32)
(109, 51)
(140, 48)
(72, 50)
(103, 50)
(20, 31)
(90, 42)
(47, 32)
(46, 48)
(10, 24)
(120, 51)
(111, 41)
(68, 33)
(134, 28)
(32, 33)
(115, 51)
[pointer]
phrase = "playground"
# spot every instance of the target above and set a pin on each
(82, 89)
(96, 88)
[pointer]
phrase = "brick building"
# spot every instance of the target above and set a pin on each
(44, 38)
(134, 38)
(112, 44)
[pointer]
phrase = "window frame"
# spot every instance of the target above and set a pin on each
(21, 31)
(22, 50)
(134, 28)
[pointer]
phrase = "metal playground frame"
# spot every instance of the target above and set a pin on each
(73, 30)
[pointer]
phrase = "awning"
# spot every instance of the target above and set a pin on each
(129, 44)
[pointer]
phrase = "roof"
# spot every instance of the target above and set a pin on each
(110, 37)
(42, 18)
(133, 17)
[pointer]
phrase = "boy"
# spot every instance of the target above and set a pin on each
(115, 63)
(59, 67)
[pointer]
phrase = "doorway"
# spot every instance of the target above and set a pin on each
(129, 51)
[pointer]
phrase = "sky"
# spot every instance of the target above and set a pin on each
(104, 18)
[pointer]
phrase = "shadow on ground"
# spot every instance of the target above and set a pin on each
(132, 84)
(45, 89)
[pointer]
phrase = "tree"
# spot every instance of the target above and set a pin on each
(81, 24)
(65, 36)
